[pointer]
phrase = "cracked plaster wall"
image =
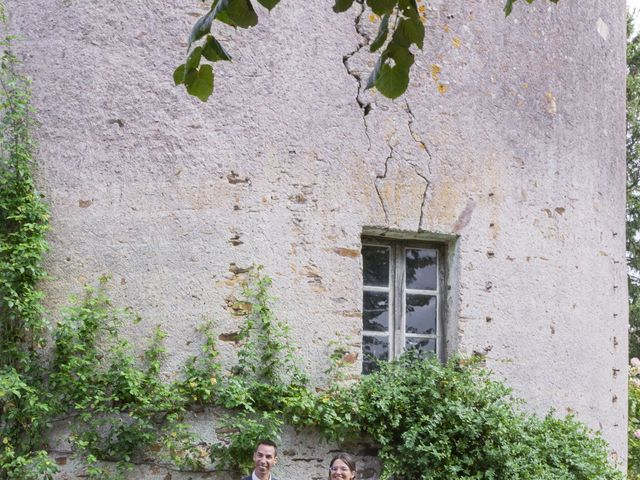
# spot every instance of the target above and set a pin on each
(510, 137)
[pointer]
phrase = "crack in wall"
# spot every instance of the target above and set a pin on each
(382, 177)
(364, 106)
(416, 137)
(424, 195)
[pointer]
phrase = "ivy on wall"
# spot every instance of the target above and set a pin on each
(430, 421)
(633, 465)
(24, 401)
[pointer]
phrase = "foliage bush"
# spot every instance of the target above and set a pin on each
(633, 185)
(633, 469)
(431, 421)
(24, 402)
(439, 422)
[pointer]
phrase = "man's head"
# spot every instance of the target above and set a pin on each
(265, 457)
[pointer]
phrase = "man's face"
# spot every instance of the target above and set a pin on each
(264, 458)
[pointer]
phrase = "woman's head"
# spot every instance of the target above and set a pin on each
(342, 467)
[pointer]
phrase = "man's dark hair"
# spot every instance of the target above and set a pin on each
(268, 442)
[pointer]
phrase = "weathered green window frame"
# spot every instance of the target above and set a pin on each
(397, 294)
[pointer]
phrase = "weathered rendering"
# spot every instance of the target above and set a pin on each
(500, 174)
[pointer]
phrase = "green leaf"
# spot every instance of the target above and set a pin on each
(381, 7)
(268, 4)
(201, 27)
(193, 60)
(178, 75)
(383, 33)
(201, 85)
(409, 8)
(402, 56)
(391, 73)
(508, 7)
(214, 51)
(342, 5)
(409, 31)
(236, 13)
(190, 76)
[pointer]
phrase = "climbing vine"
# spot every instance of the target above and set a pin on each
(401, 28)
(24, 402)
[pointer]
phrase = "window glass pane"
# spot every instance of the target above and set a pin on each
(374, 348)
(421, 268)
(421, 314)
(375, 311)
(424, 346)
(375, 266)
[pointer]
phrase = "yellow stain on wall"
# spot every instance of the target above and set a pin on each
(550, 101)
(435, 71)
(446, 203)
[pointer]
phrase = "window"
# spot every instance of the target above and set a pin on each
(401, 299)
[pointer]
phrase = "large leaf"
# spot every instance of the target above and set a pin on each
(201, 27)
(193, 60)
(409, 8)
(391, 73)
(409, 31)
(383, 33)
(190, 76)
(342, 5)
(186, 72)
(178, 75)
(214, 51)
(380, 7)
(268, 4)
(401, 56)
(392, 81)
(237, 13)
(201, 85)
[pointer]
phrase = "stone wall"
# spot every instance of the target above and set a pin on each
(509, 145)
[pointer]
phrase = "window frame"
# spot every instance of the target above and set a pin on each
(398, 291)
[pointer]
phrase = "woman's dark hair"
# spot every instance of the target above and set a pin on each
(346, 458)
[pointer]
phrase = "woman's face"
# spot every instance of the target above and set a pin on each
(340, 471)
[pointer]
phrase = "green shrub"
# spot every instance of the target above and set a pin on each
(437, 422)
(633, 469)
